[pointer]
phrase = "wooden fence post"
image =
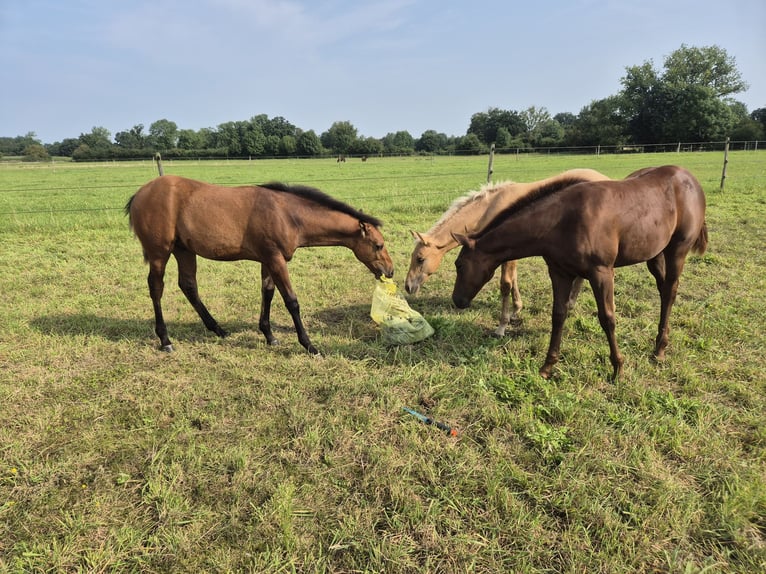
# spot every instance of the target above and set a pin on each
(491, 161)
(725, 162)
(158, 159)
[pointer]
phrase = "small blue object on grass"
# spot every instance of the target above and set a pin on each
(429, 421)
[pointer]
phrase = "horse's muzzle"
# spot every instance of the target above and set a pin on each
(461, 302)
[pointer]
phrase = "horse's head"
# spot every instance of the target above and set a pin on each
(424, 261)
(474, 269)
(370, 249)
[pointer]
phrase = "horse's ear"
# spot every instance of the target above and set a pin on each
(420, 237)
(363, 227)
(464, 240)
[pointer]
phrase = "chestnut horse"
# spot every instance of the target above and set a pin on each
(469, 214)
(656, 215)
(186, 218)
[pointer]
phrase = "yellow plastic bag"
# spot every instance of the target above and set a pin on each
(399, 324)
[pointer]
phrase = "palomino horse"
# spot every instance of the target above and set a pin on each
(469, 214)
(585, 230)
(266, 223)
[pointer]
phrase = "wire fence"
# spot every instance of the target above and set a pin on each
(59, 186)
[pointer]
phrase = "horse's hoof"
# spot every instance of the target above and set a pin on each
(167, 348)
(273, 342)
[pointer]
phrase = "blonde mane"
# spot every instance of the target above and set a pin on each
(469, 198)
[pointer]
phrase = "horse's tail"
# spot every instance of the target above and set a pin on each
(127, 210)
(700, 245)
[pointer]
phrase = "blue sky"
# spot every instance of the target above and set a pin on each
(415, 65)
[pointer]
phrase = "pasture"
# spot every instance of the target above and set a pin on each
(232, 456)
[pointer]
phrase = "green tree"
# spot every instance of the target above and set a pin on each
(340, 137)
(486, 124)
(163, 134)
(470, 144)
(98, 141)
(688, 100)
(400, 142)
(599, 123)
(36, 152)
(134, 138)
(367, 146)
(431, 141)
(190, 139)
(308, 144)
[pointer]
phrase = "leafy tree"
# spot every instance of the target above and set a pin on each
(599, 123)
(287, 145)
(340, 137)
(98, 140)
(470, 144)
(687, 101)
(486, 124)
(308, 144)
(367, 146)
(190, 139)
(431, 141)
(35, 152)
(132, 139)
(400, 142)
(253, 139)
(759, 116)
(228, 137)
(163, 134)
(707, 67)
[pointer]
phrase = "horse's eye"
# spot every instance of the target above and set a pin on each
(379, 247)
(420, 260)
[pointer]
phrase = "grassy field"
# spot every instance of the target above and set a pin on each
(231, 456)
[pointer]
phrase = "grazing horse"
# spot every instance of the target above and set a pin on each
(656, 215)
(186, 218)
(470, 214)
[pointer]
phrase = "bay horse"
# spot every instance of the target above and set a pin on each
(265, 223)
(470, 214)
(655, 215)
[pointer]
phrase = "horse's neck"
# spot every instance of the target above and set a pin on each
(520, 236)
(326, 229)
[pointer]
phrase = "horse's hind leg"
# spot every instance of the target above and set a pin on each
(156, 283)
(187, 281)
(602, 282)
(509, 286)
(666, 269)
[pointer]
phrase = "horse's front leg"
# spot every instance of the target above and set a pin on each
(267, 294)
(562, 288)
(602, 282)
(509, 286)
(277, 269)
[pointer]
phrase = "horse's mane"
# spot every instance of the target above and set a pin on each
(317, 196)
(463, 201)
(529, 199)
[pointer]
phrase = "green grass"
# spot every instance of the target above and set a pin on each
(231, 456)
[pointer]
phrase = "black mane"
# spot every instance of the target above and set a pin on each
(528, 200)
(320, 197)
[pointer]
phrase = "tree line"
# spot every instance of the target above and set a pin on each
(690, 99)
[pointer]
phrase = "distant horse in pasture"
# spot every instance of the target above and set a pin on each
(470, 214)
(585, 230)
(267, 223)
